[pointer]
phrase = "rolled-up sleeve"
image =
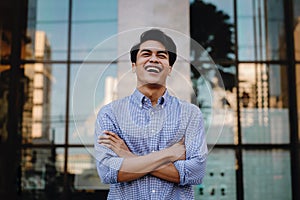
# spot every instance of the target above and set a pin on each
(107, 162)
(192, 170)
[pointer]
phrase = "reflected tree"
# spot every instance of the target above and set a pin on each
(211, 29)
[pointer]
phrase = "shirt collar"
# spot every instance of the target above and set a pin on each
(141, 99)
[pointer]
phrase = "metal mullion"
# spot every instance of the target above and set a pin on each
(238, 149)
(251, 146)
(66, 147)
(27, 146)
(13, 144)
(62, 62)
(293, 118)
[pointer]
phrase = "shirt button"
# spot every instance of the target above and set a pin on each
(153, 191)
(152, 113)
(152, 131)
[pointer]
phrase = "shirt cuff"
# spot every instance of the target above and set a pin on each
(115, 166)
(179, 164)
(116, 163)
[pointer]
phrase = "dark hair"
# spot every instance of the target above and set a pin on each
(157, 35)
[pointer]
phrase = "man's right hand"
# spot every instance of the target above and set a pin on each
(177, 150)
(115, 143)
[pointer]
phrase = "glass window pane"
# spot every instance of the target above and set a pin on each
(211, 23)
(92, 86)
(81, 164)
(263, 103)
(48, 31)
(219, 181)
(275, 33)
(4, 101)
(55, 37)
(226, 6)
(267, 175)
(42, 173)
(44, 108)
(91, 28)
(5, 42)
(216, 97)
(297, 24)
(261, 30)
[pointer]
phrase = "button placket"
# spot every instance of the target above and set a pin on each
(151, 112)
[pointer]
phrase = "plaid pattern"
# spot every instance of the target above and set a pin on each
(145, 129)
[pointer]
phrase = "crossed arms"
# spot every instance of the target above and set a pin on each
(183, 163)
(159, 164)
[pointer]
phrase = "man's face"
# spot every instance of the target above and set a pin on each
(152, 64)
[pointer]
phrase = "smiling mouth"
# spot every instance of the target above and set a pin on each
(153, 68)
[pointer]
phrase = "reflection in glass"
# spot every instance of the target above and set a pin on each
(44, 107)
(81, 165)
(4, 101)
(226, 6)
(42, 173)
(100, 22)
(56, 34)
(296, 5)
(42, 20)
(261, 30)
(92, 86)
(212, 27)
(297, 39)
(219, 181)
(263, 103)
(218, 107)
(267, 175)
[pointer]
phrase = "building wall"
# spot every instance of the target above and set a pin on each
(133, 19)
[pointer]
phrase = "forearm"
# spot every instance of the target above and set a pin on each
(167, 172)
(135, 167)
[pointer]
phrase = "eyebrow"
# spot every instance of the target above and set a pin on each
(148, 50)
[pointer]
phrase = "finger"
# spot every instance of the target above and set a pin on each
(105, 141)
(112, 134)
(109, 144)
(109, 137)
(115, 137)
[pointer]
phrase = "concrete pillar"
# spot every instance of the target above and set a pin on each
(172, 17)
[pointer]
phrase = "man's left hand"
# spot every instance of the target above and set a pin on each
(115, 143)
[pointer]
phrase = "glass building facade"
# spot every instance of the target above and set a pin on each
(254, 43)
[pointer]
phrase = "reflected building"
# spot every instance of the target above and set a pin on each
(36, 113)
(38, 90)
(254, 151)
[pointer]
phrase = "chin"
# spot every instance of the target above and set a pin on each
(155, 85)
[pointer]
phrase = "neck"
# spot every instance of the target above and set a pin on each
(152, 92)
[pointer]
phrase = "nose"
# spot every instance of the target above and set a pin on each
(153, 58)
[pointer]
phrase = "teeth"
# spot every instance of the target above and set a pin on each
(153, 69)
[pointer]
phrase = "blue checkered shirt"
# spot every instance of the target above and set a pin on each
(146, 129)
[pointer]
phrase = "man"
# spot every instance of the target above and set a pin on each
(151, 145)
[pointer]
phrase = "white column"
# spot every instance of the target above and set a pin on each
(172, 17)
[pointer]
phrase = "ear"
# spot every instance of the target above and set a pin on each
(170, 70)
(133, 67)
